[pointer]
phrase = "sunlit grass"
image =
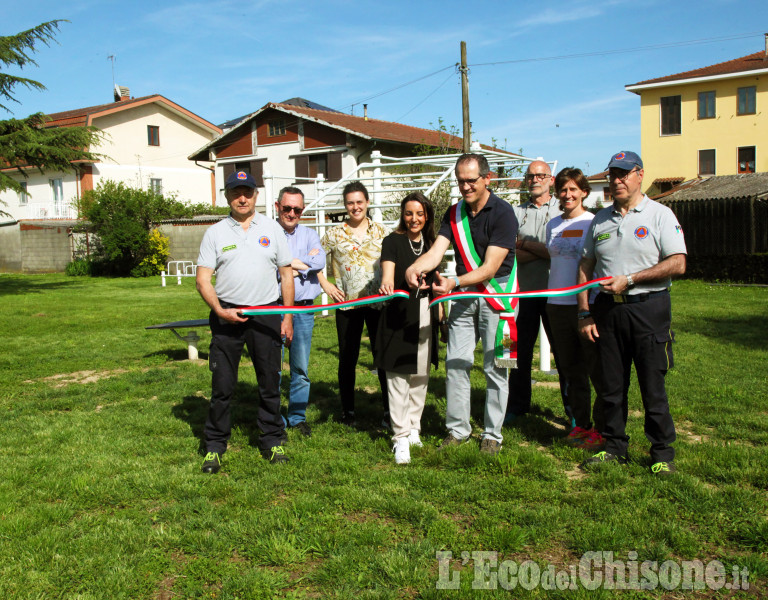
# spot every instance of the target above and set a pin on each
(102, 494)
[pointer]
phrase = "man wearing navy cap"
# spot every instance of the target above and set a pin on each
(639, 244)
(244, 250)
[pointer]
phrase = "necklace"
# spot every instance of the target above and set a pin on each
(420, 246)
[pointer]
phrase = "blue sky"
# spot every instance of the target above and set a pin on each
(222, 59)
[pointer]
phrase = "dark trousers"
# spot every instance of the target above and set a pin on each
(578, 362)
(638, 333)
(349, 329)
(261, 335)
(531, 310)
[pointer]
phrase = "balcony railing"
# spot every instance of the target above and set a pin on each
(46, 210)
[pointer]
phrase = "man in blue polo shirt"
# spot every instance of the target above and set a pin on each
(308, 261)
(639, 244)
(243, 251)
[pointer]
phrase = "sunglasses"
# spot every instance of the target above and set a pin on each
(287, 209)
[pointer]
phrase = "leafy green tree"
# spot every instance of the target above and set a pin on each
(26, 142)
(123, 219)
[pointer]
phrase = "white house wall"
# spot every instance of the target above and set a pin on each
(130, 159)
(40, 204)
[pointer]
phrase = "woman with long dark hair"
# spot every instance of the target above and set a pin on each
(407, 336)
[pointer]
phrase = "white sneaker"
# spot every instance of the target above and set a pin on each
(414, 439)
(402, 451)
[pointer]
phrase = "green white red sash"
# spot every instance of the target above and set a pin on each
(499, 299)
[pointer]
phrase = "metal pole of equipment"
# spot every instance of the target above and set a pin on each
(465, 99)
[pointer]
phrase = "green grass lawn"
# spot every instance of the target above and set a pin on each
(101, 494)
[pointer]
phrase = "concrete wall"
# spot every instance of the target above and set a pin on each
(35, 248)
(185, 238)
(47, 248)
(44, 248)
(10, 249)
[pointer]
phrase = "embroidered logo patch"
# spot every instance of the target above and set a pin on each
(603, 236)
(227, 248)
(641, 232)
(620, 156)
(678, 229)
(242, 175)
(264, 241)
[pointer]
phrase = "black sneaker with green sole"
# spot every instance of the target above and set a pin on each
(602, 458)
(212, 462)
(275, 455)
(663, 469)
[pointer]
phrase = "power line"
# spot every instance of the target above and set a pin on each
(432, 93)
(621, 51)
(398, 87)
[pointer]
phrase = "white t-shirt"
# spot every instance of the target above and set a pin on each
(565, 240)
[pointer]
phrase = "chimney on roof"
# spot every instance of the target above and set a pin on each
(365, 111)
(122, 93)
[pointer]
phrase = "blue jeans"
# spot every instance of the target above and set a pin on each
(299, 363)
(468, 322)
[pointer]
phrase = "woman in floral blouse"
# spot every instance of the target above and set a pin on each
(353, 250)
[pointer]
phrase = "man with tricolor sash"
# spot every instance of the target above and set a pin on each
(483, 231)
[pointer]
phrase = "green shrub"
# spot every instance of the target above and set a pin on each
(154, 262)
(123, 219)
(80, 267)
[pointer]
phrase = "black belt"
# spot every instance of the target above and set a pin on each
(630, 299)
(225, 304)
(299, 302)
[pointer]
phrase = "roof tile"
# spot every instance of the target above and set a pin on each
(751, 62)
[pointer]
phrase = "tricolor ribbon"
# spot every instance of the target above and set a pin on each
(367, 300)
(556, 293)
(298, 310)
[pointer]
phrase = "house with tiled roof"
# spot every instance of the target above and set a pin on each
(145, 144)
(296, 141)
(708, 121)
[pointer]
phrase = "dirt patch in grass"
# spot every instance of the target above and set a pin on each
(548, 384)
(165, 589)
(575, 474)
(685, 427)
(82, 377)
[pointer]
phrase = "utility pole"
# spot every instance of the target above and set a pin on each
(465, 99)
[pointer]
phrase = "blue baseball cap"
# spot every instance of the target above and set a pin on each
(625, 160)
(240, 178)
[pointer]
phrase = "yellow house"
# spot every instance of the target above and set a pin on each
(709, 121)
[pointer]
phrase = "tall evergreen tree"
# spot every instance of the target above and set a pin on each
(27, 143)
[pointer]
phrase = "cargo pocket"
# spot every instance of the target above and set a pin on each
(664, 340)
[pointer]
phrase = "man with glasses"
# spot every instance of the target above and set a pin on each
(308, 261)
(532, 274)
(243, 251)
(491, 228)
(639, 244)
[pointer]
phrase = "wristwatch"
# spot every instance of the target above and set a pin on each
(630, 282)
